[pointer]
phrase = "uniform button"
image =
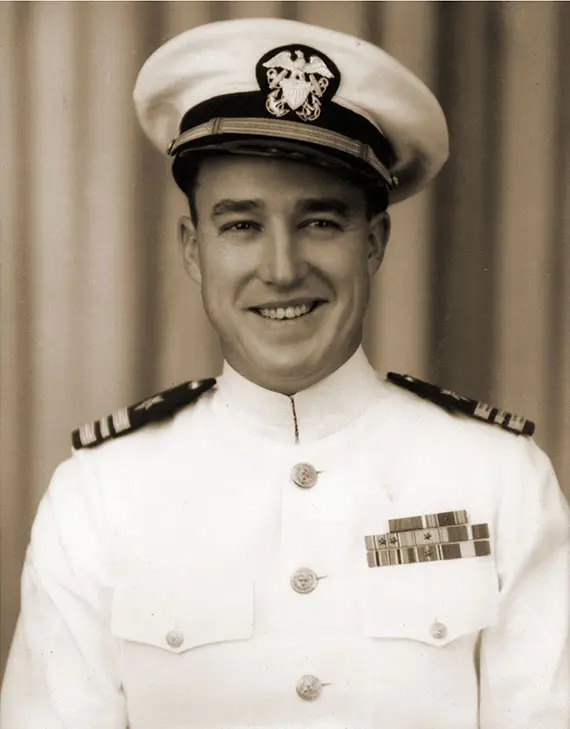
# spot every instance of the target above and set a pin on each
(309, 688)
(438, 631)
(304, 580)
(175, 638)
(304, 475)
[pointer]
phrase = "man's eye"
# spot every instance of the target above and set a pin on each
(322, 224)
(240, 225)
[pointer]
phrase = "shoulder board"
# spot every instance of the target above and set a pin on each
(452, 402)
(158, 407)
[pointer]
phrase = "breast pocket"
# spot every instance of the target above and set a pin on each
(183, 609)
(432, 602)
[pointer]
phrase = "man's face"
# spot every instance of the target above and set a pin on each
(284, 253)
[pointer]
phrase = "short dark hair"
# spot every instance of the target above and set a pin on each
(376, 194)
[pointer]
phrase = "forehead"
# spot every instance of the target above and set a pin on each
(238, 176)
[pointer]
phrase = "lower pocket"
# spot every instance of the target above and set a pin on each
(179, 609)
(432, 602)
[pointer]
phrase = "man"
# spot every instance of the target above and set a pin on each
(299, 544)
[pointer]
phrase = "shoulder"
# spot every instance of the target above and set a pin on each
(160, 407)
(446, 432)
(437, 423)
(461, 405)
(107, 466)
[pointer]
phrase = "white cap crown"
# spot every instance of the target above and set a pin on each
(288, 87)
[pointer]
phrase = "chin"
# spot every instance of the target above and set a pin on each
(289, 371)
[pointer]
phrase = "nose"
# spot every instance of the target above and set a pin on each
(281, 262)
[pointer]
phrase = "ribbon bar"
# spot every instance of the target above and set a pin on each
(423, 537)
(429, 521)
(431, 553)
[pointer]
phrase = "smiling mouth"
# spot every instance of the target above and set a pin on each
(287, 312)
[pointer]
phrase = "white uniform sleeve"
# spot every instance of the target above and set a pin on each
(525, 658)
(61, 672)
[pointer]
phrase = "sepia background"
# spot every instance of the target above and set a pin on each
(96, 311)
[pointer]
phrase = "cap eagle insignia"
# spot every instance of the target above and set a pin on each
(295, 84)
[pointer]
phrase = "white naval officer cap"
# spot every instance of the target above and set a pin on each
(283, 88)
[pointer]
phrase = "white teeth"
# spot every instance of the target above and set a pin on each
(291, 312)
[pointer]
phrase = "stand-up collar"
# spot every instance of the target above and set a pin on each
(314, 413)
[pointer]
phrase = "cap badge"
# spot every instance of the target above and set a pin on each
(294, 84)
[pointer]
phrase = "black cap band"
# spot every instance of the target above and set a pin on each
(241, 123)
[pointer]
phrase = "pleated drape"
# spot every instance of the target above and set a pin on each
(96, 311)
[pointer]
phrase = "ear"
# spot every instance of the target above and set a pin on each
(187, 238)
(380, 227)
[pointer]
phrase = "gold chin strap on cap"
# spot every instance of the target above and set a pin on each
(282, 129)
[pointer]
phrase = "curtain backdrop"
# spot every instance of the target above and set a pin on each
(96, 311)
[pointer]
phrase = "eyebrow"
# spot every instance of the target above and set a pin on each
(324, 205)
(308, 206)
(227, 206)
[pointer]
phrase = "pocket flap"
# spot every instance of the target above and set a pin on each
(435, 603)
(183, 609)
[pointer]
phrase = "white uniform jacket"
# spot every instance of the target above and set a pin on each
(160, 589)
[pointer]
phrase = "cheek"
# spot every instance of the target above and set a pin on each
(351, 276)
(353, 293)
(224, 270)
